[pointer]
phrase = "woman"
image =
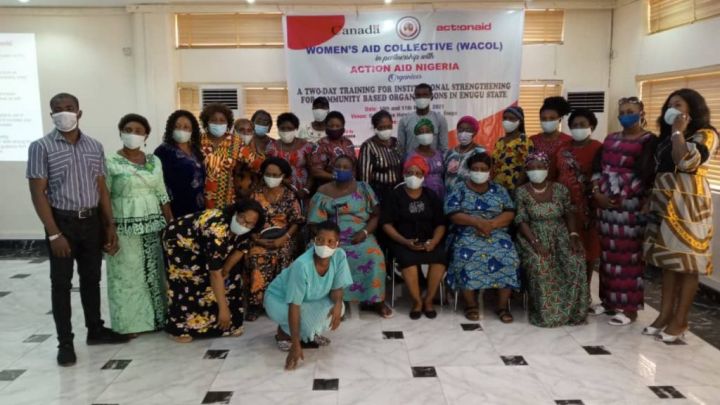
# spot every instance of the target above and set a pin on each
(330, 147)
(621, 181)
(244, 129)
(454, 162)
(295, 151)
(201, 251)
(550, 140)
(575, 168)
(380, 163)
(306, 299)
(274, 248)
(255, 152)
(315, 130)
(679, 240)
(413, 220)
(482, 253)
(184, 172)
(550, 249)
(353, 206)
(511, 151)
(221, 150)
(433, 157)
(141, 207)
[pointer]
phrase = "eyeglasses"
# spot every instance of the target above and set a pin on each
(629, 100)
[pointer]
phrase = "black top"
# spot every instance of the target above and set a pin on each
(664, 162)
(413, 218)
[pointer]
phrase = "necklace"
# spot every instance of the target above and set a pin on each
(538, 191)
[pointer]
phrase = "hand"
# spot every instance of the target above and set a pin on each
(266, 243)
(359, 237)
(294, 357)
(483, 227)
(413, 244)
(111, 241)
(335, 315)
(681, 123)
(60, 247)
(224, 317)
(279, 242)
(603, 201)
(301, 194)
(430, 245)
(576, 244)
(540, 249)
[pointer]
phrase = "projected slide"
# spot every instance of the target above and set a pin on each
(20, 114)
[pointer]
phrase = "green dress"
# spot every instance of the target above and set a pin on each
(136, 277)
(557, 285)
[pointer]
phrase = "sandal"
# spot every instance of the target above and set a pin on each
(283, 344)
(504, 315)
(181, 338)
(385, 311)
(251, 316)
(322, 340)
(620, 319)
(596, 310)
(472, 313)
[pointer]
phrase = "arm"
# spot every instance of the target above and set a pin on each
(317, 166)
(296, 353)
(167, 212)
(232, 261)
(370, 227)
(438, 235)
(217, 283)
(60, 246)
(111, 242)
(442, 133)
(336, 296)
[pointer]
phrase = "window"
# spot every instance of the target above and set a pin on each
(666, 14)
(532, 95)
(543, 27)
(228, 30)
(654, 92)
(271, 99)
(189, 99)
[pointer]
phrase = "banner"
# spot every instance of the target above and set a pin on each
(370, 61)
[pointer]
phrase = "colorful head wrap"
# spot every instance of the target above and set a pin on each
(470, 120)
(423, 123)
(418, 162)
(516, 111)
(537, 157)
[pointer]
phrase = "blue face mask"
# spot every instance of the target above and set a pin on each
(629, 120)
(261, 130)
(342, 176)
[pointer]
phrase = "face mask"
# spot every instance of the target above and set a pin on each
(132, 141)
(537, 176)
(335, 134)
(629, 120)
(319, 114)
(510, 126)
(272, 182)
(217, 130)
(414, 182)
(549, 126)
(288, 136)
(580, 134)
(236, 228)
(479, 177)
(65, 121)
(261, 130)
(323, 251)
(342, 176)
(181, 136)
(671, 114)
(465, 138)
(246, 139)
(384, 134)
(425, 139)
(422, 103)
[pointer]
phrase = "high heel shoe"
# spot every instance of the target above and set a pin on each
(666, 338)
(651, 331)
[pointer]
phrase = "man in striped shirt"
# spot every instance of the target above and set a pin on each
(66, 171)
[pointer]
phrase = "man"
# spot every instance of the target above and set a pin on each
(407, 142)
(66, 171)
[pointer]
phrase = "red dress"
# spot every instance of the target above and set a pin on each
(551, 148)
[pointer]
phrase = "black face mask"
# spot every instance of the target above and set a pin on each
(335, 134)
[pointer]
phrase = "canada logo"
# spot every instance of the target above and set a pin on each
(408, 28)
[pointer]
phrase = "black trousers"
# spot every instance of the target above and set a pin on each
(86, 239)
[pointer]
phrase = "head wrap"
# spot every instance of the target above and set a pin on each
(470, 120)
(422, 123)
(537, 157)
(516, 111)
(418, 162)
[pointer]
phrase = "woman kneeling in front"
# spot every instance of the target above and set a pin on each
(306, 299)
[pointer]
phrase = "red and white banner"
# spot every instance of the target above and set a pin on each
(370, 61)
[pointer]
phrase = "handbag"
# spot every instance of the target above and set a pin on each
(273, 232)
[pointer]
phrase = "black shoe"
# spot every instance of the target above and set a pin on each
(105, 336)
(66, 355)
(415, 315)
(432, 314)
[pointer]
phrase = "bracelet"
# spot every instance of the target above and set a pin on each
(366, 232)
(55, 237)
(536, 240)
(677, 133)
(306, 190)
(575, 234)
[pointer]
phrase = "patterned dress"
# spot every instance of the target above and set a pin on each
(184, 178)
(478, 262)
(367, 262)
(454, 162)
(680, 236)
(253, 156)
(551, 147)
(299, 161)
(434, 180)
(196, 245)
(219, 163)
(622, 229)
(265, 264)
(136, 275)
(557, 285)
(380, 166)
(326, 151)
(509, 161)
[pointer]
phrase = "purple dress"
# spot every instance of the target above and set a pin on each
(434, 179)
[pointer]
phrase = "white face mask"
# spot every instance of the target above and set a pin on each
(237, 228)
(323, 251)
(217, 130)
(132, 141)
(479, 177)
(272, 182)
(319, 114)
(510, 126)
(549, 126)
(465, 138)
(384, 134)
(671, 114)
(246, 139)
(537, 176)
(65, 121)
(580, 134)
(425, 139)
(422, 103)
(181, 136)
(288, 136)
(414, 182)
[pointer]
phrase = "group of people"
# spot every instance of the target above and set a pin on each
(223, 223)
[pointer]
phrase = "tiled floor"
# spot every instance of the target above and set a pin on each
(370, 361)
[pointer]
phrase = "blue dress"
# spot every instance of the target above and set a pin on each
(300, 284)
(477, 262)
(184, 178)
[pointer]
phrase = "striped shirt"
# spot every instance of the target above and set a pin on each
(379, 164)
(71, 170)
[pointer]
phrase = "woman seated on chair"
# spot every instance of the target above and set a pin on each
(306, 299)
(482, 253)
(413, 219)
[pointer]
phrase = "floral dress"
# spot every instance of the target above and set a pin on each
(196, 245)
(456, 169)
(434, 179)
(557, 284)
(299, 160)
(219, 163)
(367, 262)
(509, 161)
(550, 147)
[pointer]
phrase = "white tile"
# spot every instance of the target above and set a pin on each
(416, 391)
(360, 360)
(492, 385)
(285, 398)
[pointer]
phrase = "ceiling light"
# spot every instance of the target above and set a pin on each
(23, 1)
(388, 1)
(250, 1)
